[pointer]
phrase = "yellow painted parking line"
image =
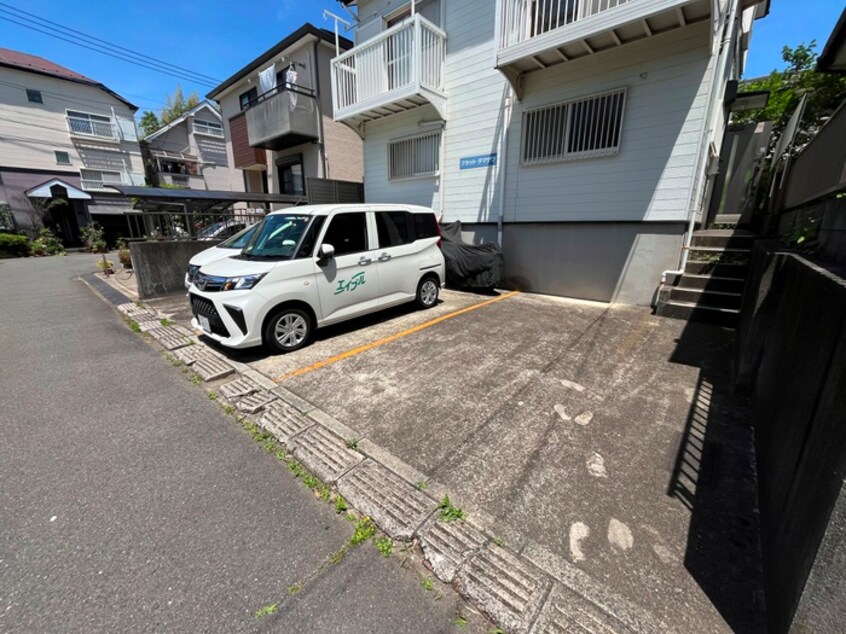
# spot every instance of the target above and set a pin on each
(390, 338)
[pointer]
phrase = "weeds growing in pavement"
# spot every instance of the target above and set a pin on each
(213, 396)
(460, 621)
(195, 378)
(165, 322)
(364, 530)
(422, 485)
(340, 504)
(450, 513)
(266, 610)
(427, 584)
(134, 326)
(294, 588)
(352, 443)
(385, 545)
(498, 542)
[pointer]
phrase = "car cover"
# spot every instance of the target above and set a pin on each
(469, 265)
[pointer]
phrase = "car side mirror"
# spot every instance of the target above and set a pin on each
(325, 253)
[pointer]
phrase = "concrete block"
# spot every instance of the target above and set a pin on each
(294, 400)
(160, 265)
(284, 422)
(336, 426)
(192, 354)
(324, 454)
(254, 403)
(397, 506)
(241, 386)
(447, 545)
(211, 368)
(507, 588)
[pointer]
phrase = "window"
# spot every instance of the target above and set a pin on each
(34, 96)
(90, 124)
(393, 228)
(310, 238)
(347, 233)
(582, 128)
(208, 127)
(414, 157)
(276, 237)
(99, 179)
(425, 226)
(291, 178)
(248, 97)
(62, 158)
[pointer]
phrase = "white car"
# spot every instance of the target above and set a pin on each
(317, 265)
(227, 248)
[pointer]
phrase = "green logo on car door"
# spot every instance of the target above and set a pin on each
(356, 281)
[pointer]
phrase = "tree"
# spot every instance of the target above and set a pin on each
(178, 105)
(787, 87)
(36, 210)
(149, 122)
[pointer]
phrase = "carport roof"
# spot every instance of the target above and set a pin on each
(201, 199)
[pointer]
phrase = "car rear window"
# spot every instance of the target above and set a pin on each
(425, 226)
(394, 228)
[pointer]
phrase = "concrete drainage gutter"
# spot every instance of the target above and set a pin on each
(524, 589)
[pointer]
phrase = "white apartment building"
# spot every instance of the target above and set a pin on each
(190, 152)
(581, 134)
(66, 137)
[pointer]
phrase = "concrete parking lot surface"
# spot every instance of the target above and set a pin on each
(604, 434)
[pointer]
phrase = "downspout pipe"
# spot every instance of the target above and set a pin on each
(706, 132)
(503, 165)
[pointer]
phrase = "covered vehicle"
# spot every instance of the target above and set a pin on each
(470, 265)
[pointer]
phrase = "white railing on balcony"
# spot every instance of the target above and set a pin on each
(521, 20)
(209, 128)
(400, 58)
(95, 128)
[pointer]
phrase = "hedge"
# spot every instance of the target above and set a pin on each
(13, 246)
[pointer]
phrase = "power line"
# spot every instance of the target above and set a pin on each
(106, 43)
(109, 54)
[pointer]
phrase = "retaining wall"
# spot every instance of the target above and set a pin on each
(791, 359)
(160, 265)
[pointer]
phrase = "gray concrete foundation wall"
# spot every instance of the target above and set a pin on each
(160, 265)
(602, 261)
(791, 358)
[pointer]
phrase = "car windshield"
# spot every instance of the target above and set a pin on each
(210, 230)
(239, 240)
(276, 237)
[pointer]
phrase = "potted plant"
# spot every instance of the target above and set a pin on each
(124, 255)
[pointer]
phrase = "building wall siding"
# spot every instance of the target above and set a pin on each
(30, 133)
(343, 146)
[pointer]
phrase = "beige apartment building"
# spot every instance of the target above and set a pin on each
(279, 126)
(190, 152)
(68, 138)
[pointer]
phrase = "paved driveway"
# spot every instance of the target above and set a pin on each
(130, 502)
(605, 434)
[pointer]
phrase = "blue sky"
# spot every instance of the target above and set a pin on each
(217, 37)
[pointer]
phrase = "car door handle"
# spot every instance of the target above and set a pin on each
(364, 261)
(384, 257)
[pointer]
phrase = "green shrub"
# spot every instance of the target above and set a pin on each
(13, 246)
(94, 237)
(46, 244)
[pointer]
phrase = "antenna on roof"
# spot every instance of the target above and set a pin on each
(338, 19)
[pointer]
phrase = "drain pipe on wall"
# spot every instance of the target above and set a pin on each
(503, 162)
(706, 134)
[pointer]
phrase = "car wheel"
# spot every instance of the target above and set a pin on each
(288, 330)
(427, 292)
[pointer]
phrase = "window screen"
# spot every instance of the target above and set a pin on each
(347, 233)
(393, 228)
(34, 96)
(414, 157)
(582, 128)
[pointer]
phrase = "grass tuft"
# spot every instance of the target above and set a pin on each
(449, 512)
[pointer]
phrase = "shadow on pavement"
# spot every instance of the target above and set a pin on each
(714, 477)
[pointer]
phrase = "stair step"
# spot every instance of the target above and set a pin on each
(723, 269)
(711, 249)
(706, 298)
(727, 219)
(728, 238)
(713, 283)
(727, 317)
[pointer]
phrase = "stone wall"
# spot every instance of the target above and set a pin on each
(791, 359)
(160, 265)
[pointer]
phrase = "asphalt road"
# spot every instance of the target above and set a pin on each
(130, 502)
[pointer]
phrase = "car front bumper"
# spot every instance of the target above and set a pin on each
(232, 318)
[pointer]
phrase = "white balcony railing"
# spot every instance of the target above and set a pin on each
(405, 59)
(521, 20)
(210, 129)
(94, 128)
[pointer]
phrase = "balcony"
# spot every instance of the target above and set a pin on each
(282, 117)
(399, 69)
(189, 181)
(245, 157)
(93, 128)
(536, 34)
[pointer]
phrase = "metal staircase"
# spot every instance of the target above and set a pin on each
(711, 287)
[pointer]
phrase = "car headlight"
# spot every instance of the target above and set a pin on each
(242, 282)
(192, 271)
